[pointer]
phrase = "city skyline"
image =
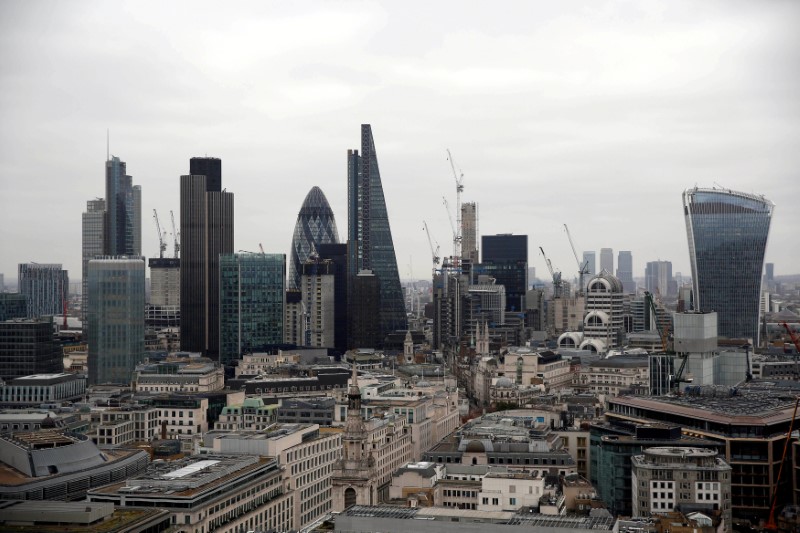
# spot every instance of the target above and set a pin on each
(627, 107)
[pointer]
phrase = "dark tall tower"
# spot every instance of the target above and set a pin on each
(727, 233)
(505, 258)
(206, 232)
(337, 254)
(315, 226)
(365, 306)
(123, 211)
(369, 236)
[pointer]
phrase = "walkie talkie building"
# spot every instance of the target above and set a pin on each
(727, 233)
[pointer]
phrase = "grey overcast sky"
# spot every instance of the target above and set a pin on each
(598, 114)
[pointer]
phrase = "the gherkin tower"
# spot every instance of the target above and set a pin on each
(369, 236)
(315, 225)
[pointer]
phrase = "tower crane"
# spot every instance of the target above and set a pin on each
(175, 235)
(792, 335)
(162, 245)
(556, 275)
(582, 268)
(459, 177)
(434, 252)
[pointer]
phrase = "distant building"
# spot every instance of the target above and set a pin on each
(727, 232)
(337, 255)
(625, 271)
(590, 260)
(769, 269)
(611, 375)
(603, 324)
(365, 305)
(317, 282)
(293, 318)
(369, 236)
(607, 260)
(116, 319)
(93, 245)
(696, 479)
(658, 278)
(505, 258)
(206, 233)
(251, 303)
(164, 308)
(27, 347)
(123, 211)
(315, 225)
(179, 376)
(469, 232)
(46, 288)
(307, 411)
(13, 305)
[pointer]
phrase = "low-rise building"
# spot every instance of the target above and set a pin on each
(179, 376)
(611, 375)
(38, 389)
(218, 493)
(689, 479)
(251, 415)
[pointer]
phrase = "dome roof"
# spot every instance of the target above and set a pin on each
(604, 282)
(504, 382)
(315, 203)
(475, 446)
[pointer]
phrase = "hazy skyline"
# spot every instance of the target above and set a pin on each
(595, 114)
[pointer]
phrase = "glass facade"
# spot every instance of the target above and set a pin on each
(45, 286)
(505, 258)
(92, 245)
(123, 227)
(315, 226)
(368, 232)
(252, 296)
(727, 233)
(116, 318)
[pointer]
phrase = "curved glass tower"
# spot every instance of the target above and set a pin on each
(727, 232)
(315, 225)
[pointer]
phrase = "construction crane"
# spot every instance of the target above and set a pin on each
(583, 269)
(648, 296)
(162, 244)
(175, 235)
(260, 247)
(556, 275)
(459, 177)
(434, 251)
(771, 525)
(792, 335)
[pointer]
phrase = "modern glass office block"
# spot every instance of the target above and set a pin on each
(315, 225)
(252, 296)
(727, 233)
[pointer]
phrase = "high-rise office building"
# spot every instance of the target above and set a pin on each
(164, 307)
(607, 260)
(13, 305)
(469, 231)
(93, 245)
(123, 216)
(206, 232)
(770, 271)
(28, 346)
(727, 234)
(590, 260)
(369, 237)
(365, 306)
(658, 278)
(315, 225)
(293, 318)
(252, 295)
(45, 286)
(337, 254)
(317, 285)
(505, 258)
(625, 271)
(116, 318)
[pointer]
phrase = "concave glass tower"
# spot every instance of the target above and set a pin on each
(315, 225)
(727, 233)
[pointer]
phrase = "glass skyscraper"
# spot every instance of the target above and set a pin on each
(116, 318)
(315, 226)
(93, 241)
(369, 237)
(727, 233)
(252, 296)
(505, 258)
(45, 286)
(123, 224)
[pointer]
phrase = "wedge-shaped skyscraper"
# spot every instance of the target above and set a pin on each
(369, 237)
(727, 233)
(315, 225)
